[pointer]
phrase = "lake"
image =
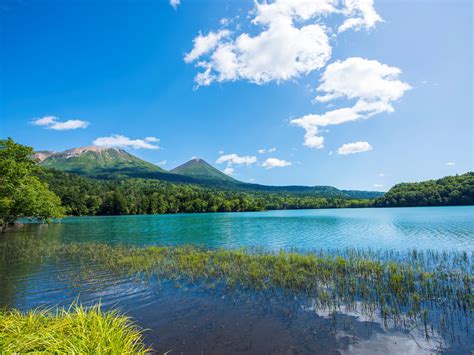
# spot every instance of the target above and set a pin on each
(436, 228)
(194, 317)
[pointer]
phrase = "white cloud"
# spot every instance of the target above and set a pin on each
(381, 174)
(162, 163)
(117, 140)
(52, 122)
(151, 139)
(264, 151)
(204, 44)
(450, 163)
(289, 39)
(221, 152)
(352, 148)
(374, 85)
(275, 163)
(361, 14)
(231, 159)
(378, 185)
(229, 171)
(175, 3)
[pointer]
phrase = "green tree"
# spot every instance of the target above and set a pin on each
(22, 194)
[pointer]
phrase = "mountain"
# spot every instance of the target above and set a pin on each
(95, 161)
(200, 169)
(113, 163)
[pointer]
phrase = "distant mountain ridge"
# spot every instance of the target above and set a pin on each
(113, 163)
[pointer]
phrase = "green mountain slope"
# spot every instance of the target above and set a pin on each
(113, 163)
(200, 169)
(95, 161)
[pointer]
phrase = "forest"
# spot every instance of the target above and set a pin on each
(448, 191)
(85, 196)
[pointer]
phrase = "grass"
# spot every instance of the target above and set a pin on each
(76, 330)
(428, 289)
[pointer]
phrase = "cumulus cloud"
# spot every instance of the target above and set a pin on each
(289, 40)
(232, 159)
(235, 160)
(378, 185)
(175, 3)
(361, 14)
(118, 140)
(264, 151)
(450, 163)
(372, 84)
(205, 43)
(52, 122)
(271, 163)
(229, 171)
(352, 148)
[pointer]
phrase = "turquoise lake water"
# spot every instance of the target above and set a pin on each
(436, 228)
(197, 317)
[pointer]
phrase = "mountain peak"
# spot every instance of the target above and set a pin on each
(94, 160)
(199, 168)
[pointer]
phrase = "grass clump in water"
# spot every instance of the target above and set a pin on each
(76, 330)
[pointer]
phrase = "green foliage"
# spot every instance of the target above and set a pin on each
(448, 191)
(84, 196)
(22, 194)
(76, 330)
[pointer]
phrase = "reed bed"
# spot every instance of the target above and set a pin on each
(75, 330)
(428, 289)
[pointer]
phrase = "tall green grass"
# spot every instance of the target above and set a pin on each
(76, 330)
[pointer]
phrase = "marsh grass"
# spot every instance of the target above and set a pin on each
(424, 289)
(73, 330)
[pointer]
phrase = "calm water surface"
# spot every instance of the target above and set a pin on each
(196, 318)
(437, 228)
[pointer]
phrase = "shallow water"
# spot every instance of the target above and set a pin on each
(203, 317)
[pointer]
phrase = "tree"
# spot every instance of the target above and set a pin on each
(22, 194)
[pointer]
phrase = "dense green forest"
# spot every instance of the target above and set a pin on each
(84, 196)
(448, 191)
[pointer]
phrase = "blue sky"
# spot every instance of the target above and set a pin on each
(353, 97)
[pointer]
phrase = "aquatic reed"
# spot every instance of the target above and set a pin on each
(427, 288)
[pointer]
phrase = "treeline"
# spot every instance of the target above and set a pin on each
(85, 196)
(448, 191)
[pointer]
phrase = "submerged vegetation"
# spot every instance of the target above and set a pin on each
(76, 330)
(425, 289)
